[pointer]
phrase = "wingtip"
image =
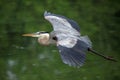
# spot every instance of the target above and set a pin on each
(46, 13)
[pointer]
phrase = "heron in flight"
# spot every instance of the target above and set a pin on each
(65, 35)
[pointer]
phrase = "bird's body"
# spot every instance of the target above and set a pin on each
(66, 36)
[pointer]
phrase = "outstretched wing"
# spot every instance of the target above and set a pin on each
(71, 46)
(72, 51)
(62, 24)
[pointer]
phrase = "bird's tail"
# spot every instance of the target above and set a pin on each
(105, 57)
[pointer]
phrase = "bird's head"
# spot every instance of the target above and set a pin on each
(43, 37)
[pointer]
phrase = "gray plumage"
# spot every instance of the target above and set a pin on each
(66, 35)
(72, 46)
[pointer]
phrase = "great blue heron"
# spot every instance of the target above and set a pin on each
(65, 35)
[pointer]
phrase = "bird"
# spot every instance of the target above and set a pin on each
(66, 36)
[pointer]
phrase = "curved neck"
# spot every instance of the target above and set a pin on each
(44, 39)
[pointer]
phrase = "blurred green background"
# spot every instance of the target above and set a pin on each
(22, 58)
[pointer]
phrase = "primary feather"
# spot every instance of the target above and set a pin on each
(72, 46)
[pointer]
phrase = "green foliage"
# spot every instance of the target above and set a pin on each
(23, 58)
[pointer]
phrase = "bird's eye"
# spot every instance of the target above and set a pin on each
(41, 32)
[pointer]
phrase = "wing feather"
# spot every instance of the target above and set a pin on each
(71, 45)
(74, 56)
(62, 24)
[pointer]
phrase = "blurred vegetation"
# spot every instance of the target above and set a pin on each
(23, 58)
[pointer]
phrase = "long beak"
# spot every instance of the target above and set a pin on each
(31, 35)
